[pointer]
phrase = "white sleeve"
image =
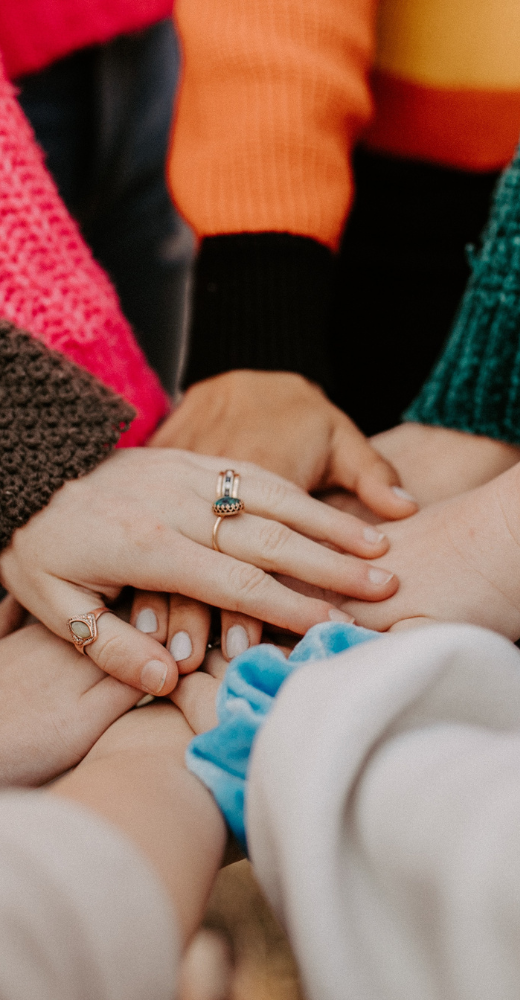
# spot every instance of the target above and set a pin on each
(82, 915)
(383, 818)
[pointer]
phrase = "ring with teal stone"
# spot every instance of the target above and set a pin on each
(227, 506)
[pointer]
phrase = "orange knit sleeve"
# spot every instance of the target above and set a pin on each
(273, 96)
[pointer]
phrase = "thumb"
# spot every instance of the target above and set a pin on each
(358, 467)
(132, 657)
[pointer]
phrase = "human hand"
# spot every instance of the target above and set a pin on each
(54, 705)
(436, 463)
(144, 518)
(286, 424)
(458, 560)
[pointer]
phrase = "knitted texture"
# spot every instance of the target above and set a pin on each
(57, 422)
(51, 286)
(261, 301)
(475, 385)
(33, 33)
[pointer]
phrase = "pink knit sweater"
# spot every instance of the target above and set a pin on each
(49, 283)
(35, 32)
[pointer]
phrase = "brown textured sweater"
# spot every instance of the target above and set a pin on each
(57, 422)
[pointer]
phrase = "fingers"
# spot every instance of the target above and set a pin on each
(195, 695)
(207, 968)
(274, 547)
(356, 466)
(239, 632)
(150, 614)
(131, 656)
(188, 632)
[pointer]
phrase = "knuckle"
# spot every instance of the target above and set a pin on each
(273, 494)
(273, 538)
(108, 652)
(246, 580)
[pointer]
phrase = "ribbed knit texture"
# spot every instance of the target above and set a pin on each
(33, 33)
(51, 286)
(475, 385)
(261, 301)
(57, 423)
(272, 97)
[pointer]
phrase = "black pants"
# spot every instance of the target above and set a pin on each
(400, 275)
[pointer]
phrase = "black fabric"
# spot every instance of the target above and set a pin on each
(367, 325)
(400, 276)
(261, 301)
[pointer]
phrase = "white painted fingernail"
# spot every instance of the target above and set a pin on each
(403, 495)
(145, 700)
(373, 536)
(379, 576)
(237, 641)
(153, 676)
(339, 616)
(146, 620)
(180, 646)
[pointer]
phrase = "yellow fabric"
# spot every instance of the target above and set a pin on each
(451, 43)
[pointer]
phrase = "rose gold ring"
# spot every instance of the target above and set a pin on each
(227, 503)
(83, 628)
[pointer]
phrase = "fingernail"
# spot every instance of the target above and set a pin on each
(153, 676)
(373, 536)
(237, 641)
(403, 495)
(379, 576)
(145, 700)
(146, 620)
(180, 646)
(340, 616)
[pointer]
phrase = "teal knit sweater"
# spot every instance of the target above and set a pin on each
(475, 385)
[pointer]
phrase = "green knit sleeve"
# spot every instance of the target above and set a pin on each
(475, 385)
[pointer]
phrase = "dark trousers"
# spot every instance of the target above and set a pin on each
(400, 275)
(103, 118)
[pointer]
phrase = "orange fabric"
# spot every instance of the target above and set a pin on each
(272, 98)
(469, 129)
(275, 92)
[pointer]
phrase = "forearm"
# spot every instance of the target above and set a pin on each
(270, 106)
(145, 791)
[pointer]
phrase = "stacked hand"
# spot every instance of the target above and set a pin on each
(144, 518)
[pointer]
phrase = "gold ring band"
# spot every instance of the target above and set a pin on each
(83, 628)
(228, 503)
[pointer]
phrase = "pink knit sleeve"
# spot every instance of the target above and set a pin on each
(51, 286)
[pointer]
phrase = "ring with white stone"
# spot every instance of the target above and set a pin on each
(83, 628)
(227, 503)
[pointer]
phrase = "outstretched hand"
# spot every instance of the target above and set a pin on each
(286, 424)
(457, 560)
(144, 518)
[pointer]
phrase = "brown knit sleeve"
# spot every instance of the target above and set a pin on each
(57, 422)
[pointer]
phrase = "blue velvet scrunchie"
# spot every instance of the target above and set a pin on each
(220, 757)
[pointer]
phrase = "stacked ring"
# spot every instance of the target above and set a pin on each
(227, 503)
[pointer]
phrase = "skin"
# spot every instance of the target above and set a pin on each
(457, 561)
(143, 518)
(135, 778)
(54, 705)
(317, 447)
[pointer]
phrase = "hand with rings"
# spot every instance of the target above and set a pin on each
(145, 518)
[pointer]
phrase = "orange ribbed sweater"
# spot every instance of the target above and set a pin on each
(276, 92)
